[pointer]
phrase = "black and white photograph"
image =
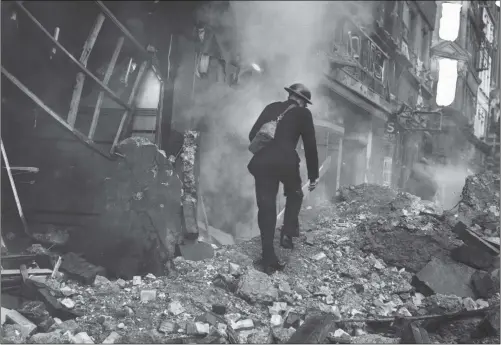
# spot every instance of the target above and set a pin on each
(250, 172)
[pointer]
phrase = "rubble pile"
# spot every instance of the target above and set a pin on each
(189, 194)
(479, 205)
(373, 268)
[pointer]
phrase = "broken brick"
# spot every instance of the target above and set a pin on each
(148, 295)
(447, 278)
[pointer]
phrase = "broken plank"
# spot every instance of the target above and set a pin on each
(31, 271)
(28, 327)
(77, 91)
(14, 191)
(100, 97)
(470, 237)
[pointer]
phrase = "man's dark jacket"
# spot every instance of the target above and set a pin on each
(280, 156)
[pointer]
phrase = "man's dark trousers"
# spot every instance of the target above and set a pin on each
(267, 186)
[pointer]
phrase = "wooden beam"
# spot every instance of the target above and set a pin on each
(107, 76)
(129, 35)
(77, 91)
(130, 102)
(29, 271)
(84, 69)
(14, 190)
(58, 118)
(158, 134)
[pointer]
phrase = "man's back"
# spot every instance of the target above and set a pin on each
(281, 153)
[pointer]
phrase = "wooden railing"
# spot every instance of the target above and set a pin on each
(127, 105)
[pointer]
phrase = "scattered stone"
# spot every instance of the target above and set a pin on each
(26, 326)
(469, 304)
(150, 276)
(404, 312)
(243, 324)
(101, 281)
(136, 280)
(176, 308)
(374, 339)
(82, 338)
(235, 270)
(310, 239)
(112, 338)
(447, 278)
(359, 331)
(243, 336)
(67, 291)
(167, 327)
(209, 318)
(148, 295)
(232, 317)
(313, 331)
(68, 303)
(261, 336)
(121, 325)
(255, 286)
(481, 304)
(339, 333)
(36, 312)
(222, 328)
(329, 299)
(13, 334)
(284, 287)
(439, 303)
(121, 283)
(276, 320)
(378, 265)
(319, 256)
(54, 337)
(219, 309)
(277, 308)
(417, 299)
(282, 335)
(68, 325)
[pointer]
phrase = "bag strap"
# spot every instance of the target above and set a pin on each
(284, 112)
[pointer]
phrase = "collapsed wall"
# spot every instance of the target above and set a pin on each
(141, 223)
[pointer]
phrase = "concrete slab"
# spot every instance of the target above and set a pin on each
(447, 278)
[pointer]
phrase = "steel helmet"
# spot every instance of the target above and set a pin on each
(300, 90)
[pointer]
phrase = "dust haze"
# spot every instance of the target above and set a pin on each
(285, 38)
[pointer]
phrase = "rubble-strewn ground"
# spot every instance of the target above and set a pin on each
(354, 259)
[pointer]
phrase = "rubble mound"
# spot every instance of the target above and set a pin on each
(480, 202)
(351, 270)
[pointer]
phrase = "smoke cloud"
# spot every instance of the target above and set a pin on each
(285, 38)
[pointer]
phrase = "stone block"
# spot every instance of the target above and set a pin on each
(27, 327)
(255, 286)
(148, 295)
(447, 278)
(113, 338)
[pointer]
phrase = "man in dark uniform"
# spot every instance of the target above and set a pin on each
(279, 162)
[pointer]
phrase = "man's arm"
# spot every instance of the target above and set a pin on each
(310, 146)
(261, 120)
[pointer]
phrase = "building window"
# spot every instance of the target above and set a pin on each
(387, 166)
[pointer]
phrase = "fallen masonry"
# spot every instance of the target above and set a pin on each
(387, 273)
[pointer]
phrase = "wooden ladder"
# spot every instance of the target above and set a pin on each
(128, 106)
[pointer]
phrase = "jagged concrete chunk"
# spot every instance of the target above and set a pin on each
(138, 229)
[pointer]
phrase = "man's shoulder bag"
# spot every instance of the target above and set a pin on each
(267, 133)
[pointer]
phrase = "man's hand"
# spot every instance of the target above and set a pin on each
(313, 185)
